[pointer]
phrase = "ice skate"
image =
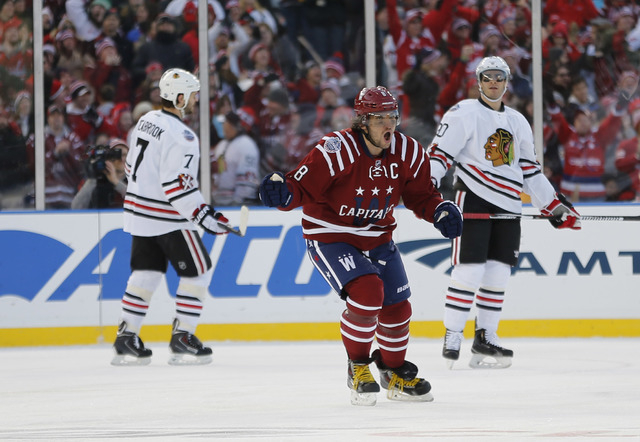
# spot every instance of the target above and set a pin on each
(451, 347)
(487, 352)
(186, 348)
(401, 383)
(360, 381)
(129, 348)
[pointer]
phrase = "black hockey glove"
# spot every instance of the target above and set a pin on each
(448, 219)
(274, 191)
(210, 220)
(564, 216)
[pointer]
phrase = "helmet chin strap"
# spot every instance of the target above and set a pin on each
(489, 99)
(181, 109)
(366, 135)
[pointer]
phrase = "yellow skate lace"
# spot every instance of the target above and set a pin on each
(396, 383)
(361, 373)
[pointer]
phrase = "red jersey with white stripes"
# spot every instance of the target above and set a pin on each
(348, 195)
(493, 152)
(162, 170)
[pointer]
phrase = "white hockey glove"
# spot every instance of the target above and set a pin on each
(210, 220)
(563, 213)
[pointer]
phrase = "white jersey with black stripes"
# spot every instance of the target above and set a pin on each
(162, 170)
(493, 152)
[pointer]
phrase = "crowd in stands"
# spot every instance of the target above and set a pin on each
(284, 72)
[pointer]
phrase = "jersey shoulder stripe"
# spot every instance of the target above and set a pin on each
(408, 148)
(339, 150)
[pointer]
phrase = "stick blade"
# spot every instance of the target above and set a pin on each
(244, 220)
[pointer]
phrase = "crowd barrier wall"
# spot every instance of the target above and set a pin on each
(63, 275)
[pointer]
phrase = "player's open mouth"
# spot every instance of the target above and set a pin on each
(387, 136)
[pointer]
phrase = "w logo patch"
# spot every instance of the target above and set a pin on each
(347, 262)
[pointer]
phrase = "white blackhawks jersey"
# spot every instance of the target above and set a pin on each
(494, 155)
(162, 169)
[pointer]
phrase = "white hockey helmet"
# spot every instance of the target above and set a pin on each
(492, 64)
(177, 81)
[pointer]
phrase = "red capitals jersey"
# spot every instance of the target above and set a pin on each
(584, 156)
(627, 161)
(349, 196)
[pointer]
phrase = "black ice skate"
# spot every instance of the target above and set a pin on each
(129, 348)
(487, 352)
(361, 383)
(451, 347)
(186, 348)
(401, 383)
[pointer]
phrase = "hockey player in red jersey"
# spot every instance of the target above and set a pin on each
(348, 187)
(492, 147)
(162, 207)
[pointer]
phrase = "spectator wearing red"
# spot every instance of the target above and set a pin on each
(190, 18)
(628, 151)
(409, 37)
(579, 12)
(7, 16)
(153, 73)
(458, 36)
(121, 117)
(70, 56)
(307, 88)
(63, 156)
(82, 116)
(456, 88)
(260, 62)
(16, 54)
(439, 18)
(585, 148)
(559, 38)
(107, 69)
(624, 58)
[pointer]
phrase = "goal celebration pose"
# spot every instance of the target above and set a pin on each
(162, 207)
(348, 187)
(492, 147)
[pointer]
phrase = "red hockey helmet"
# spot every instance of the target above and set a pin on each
(374, 100)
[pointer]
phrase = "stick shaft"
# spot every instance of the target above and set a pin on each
(518, 216)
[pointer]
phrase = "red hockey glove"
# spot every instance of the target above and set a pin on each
(563, 213)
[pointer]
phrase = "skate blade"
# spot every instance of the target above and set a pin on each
(490, 362)
(449, 363)
(186, 359)
(397, 395)
(128, 360)
(365, 399)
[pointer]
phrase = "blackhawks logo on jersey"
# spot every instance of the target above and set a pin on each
(499, 148)
(187, 182)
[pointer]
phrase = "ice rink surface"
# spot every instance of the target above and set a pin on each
(587, 389)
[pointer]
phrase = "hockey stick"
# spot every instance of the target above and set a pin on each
(244, 221)
(582, 217)
(314, 54)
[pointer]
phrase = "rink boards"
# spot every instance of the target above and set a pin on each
(63, 275)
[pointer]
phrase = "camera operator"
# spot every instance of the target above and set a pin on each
(106, 186)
